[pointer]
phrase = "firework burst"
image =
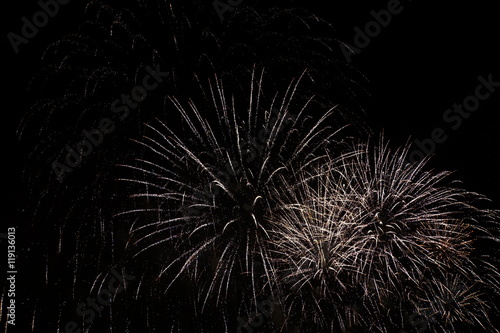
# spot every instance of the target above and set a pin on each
(83, 72)
(366, 232)
(453, 303)
(229, 204)
(204, 191)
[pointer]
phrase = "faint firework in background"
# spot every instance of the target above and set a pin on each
(242, 188)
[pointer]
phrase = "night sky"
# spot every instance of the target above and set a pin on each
(427, 58)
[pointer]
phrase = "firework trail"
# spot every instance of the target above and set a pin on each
(369, 238)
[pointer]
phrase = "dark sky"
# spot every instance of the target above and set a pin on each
(428, 58)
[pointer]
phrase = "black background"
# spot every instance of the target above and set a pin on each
(427, 59)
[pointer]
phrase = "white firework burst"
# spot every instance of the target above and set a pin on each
(366, 231)
(454, 303)
(204, 192)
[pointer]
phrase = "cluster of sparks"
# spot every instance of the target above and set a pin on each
(359, 240)
(370, 235)
(251, 196)
(209, 191)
